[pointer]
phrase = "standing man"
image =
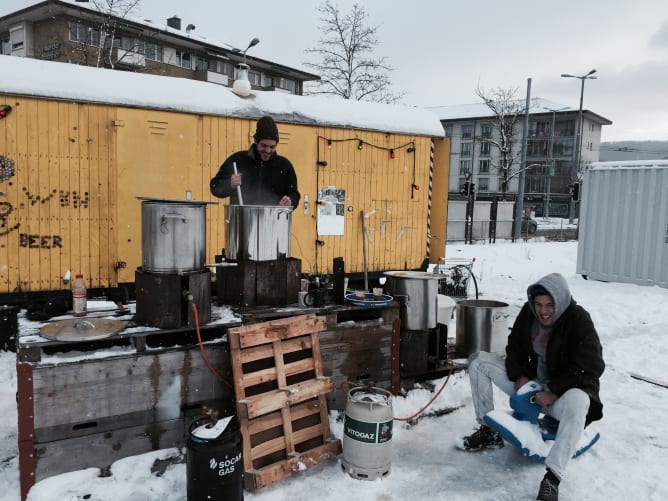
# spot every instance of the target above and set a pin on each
(265, 177)
(554, 342)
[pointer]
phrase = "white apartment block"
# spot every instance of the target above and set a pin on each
(551, 151)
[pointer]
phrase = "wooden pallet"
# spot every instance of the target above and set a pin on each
(280, 390)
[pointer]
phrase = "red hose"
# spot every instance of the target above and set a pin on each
(201, 349)
(409, 418)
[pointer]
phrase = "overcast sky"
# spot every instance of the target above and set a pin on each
(442, 50)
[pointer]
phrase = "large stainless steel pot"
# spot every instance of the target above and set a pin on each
(417, 291)
(258, 232)
(482, 325)
(173, 235)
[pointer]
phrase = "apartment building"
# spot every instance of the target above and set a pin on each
(551, 155)
(60, 30)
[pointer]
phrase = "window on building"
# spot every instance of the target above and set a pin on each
(183, 59)
(116, 41)
(84, 34)
(226, 69)
(563, 147)
(5, 48)
(537, 147)
(221, 67)
(254, 78)
(448, 130)
(485, 148)
(486, 130)
(17, 37)
(483, 184)
(539, 129)
(464, 166)
(201, 64)
(287, 84)
(467, 131)
(564, 128)
(462, 180)
(483, 166)
(153, 52)
(466, 149)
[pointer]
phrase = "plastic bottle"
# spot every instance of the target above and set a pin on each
(79, 297)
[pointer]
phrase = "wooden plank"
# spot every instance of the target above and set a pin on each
(252, 407)
(274, 419)
(262, 477)
(267, 332)
(100, 450)
(266, 350)
(271, 374)
(277, 423)
(286, 442)
(162, 382)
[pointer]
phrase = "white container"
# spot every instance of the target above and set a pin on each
(623, 232)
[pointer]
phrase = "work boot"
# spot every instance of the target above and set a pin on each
(549, 488)
(483, 438)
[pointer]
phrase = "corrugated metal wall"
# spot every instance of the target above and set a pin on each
(623, 233)
(70, 202)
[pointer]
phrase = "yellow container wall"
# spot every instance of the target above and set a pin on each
(71, 203)
(57, 203)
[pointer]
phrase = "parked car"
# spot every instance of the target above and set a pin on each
(533, 225)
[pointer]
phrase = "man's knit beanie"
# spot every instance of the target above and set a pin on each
(266, 129)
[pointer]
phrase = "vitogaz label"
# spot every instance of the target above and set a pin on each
(368, 433)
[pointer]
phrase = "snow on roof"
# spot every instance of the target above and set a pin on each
(481, 110)
(630, 164)
(54, 80)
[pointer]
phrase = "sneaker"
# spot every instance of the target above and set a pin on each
(549, 488)
(482, 438)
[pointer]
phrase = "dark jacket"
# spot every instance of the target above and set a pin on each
(574, 356)
(262, 183)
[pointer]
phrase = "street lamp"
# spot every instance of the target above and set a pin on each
(550, 172)
(582, 79)
(242, 85)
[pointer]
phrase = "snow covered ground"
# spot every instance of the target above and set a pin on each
(629, 462)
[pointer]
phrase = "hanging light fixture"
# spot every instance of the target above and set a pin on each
(242, 85)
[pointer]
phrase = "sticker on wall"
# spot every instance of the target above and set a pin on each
(330, 210)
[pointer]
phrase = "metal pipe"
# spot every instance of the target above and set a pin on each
(241, 200)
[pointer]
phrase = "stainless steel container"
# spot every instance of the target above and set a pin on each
(482, 325)
(417, 291)
(258, 232)
(173, 235)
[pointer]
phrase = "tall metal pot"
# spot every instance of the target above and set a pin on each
(173, 235)
(417, 291)
(258, 232)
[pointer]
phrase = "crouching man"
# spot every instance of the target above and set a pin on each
(553, 341)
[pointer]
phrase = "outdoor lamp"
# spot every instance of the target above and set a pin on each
(242, 86)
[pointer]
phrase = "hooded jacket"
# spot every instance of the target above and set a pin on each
(573, 355)
(262, 183)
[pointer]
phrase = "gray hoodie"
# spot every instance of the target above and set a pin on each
(556, 286)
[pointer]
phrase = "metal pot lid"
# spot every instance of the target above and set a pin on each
(82, 329)
(174, 201)
(420, 275)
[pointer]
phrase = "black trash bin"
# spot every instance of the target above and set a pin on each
(214, 463)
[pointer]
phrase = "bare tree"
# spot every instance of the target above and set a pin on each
(103, 42)
(346, 68)
(507, 113)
